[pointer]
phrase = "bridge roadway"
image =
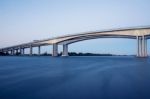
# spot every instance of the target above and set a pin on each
(141, 34)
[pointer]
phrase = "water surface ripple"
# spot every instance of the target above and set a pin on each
(74, 77)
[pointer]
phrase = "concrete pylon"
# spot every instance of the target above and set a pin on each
(30, 50)
(141, 46)
(146, 54)
(16, 51)
(39, 50)
(138, 46)
(55, 50)
(13, 51)
(22, 51)
(65, 50)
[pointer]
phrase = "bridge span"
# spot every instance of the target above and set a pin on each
(140, 34)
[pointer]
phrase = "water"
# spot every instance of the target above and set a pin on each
(74, 78)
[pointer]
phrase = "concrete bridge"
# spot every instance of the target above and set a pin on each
(140, 34)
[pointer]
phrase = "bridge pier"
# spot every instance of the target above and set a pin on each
(65, 50)
(7, 52)
(141, 46)
(12, 50)
(146, 54)
(55, 50)
(39, 50)
(16, 51)
(31, 50)
(4, 52)
(22, 51)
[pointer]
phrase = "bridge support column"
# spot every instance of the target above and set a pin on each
(146, 47)
(12, 52)
(16, 51)
(22, 51)
(39, 50)
(7, 52)
(141, 46)
(137, 46)
(31, 50)
(65, 50)
(55, 50)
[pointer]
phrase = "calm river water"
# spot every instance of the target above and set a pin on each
(74, 77)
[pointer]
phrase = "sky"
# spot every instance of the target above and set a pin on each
(23, 21)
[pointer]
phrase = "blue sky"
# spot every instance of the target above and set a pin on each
(26, 20)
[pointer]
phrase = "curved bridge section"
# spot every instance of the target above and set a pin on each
(141, 34)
